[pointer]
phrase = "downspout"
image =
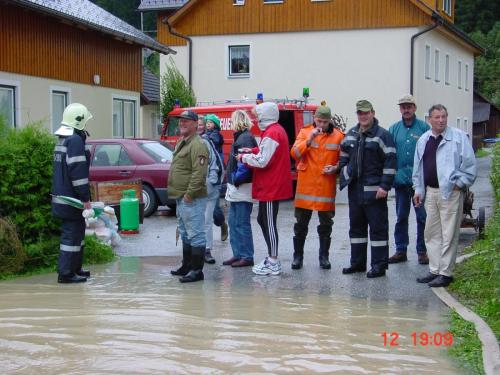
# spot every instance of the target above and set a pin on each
(437, 22)
(190, 48)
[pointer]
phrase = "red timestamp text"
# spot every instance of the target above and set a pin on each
(419, 338)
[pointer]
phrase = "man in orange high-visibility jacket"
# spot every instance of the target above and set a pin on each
(316, 152)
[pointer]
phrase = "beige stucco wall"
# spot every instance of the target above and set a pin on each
(430, 91)
(33, 101)
(150, 119)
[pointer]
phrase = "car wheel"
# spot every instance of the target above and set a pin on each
(149, 200)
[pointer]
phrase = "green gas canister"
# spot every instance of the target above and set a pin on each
(129, 212)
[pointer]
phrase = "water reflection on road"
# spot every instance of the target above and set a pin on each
(132, 317)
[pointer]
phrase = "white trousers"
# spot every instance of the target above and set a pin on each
(442, 229)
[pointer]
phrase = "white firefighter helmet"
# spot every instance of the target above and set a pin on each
(76, 116)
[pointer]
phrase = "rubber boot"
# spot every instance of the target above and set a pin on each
(324, 251)
(186, 261)
(197, 262)
(298, 253)
(208, 257)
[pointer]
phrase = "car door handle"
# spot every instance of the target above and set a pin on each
(125, 173)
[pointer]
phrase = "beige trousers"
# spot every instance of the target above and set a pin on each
(442, 229)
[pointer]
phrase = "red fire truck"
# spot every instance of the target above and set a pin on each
(294, 114)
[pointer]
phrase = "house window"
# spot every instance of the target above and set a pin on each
(59, 103)
(426, 118)
(447, 7)
(273, 1)
(436, 65)
(427, 62)
(466, 125)
(458, 122)
(447, 70)
(8, 105)
(238, 2)
(459, 75)
(466, 77)
(124, 118)
(239, 61)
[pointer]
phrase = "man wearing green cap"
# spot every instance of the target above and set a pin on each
(368, 166)
(316, 153)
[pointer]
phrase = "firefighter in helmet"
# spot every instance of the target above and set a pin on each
(71, 178)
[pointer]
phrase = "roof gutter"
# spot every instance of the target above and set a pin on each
(190, 47)
(437, 22)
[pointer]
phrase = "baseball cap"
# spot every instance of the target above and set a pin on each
(364, 106)
(323, 112)
(188, 115)
(407, 99)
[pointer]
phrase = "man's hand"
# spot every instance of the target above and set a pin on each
(381, 194)
(87, 205)
(313, 134)
(417, 200)
(330, 169)
(187, 199)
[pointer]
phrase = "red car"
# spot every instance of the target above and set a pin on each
(126, 159)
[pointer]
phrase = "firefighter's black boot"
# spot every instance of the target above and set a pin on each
(186, 261)
(298, 253)
(197, 261)
(324, 252)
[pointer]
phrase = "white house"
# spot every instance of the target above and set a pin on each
(341, 50)
(58, 52)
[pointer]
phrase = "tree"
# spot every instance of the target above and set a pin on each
(174, 87)
(476, 15)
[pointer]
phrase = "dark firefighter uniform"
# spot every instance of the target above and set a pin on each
(367, 162)
(70, 178)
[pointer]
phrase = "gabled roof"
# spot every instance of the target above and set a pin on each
(86, 13)
(150, 5)
(150, 86)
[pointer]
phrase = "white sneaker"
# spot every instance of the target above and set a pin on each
(266, 268)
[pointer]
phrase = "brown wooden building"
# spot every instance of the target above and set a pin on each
(55, 53)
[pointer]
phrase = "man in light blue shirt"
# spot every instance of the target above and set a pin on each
(444, 167)
(406, 134)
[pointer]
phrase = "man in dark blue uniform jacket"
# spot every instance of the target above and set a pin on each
(71, 178)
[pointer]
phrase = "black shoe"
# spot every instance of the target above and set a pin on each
(375, 272)
(83, 273)
(182, 271)
(324, 262)
(192, 276)
(426, 279)
(297, 262)
(71, 279)
(352, 269)
(398, 258)
(208, 257)
(440, 281)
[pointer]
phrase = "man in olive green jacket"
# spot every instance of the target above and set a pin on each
(186, 184)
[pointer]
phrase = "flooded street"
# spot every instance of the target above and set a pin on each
(133, 317)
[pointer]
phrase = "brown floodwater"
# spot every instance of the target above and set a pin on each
(132, 317)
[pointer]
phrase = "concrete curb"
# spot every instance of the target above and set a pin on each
(491, 350)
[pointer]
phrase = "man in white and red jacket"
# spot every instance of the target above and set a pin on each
(272, 180)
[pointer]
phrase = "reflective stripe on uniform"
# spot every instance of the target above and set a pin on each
(331, 146)
(370, 188)
(359, 240)
(349, 138)
(344, 154)
(314, 145)
(379, 243)
(297, 152)
(382, 145)
(80, 182)
(75, 159)
(314, 198)
(389, 171)
(60, 149)
(72, 249)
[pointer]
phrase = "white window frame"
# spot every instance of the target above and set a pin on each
(134, 99)
(59, 89)
(427, 62)
(16, 85)
(466, 125)
(238, 2)
(273, 1)
(458, 123)
(447, 70)
(459, 76)
(436, 65)
(466, 74)
(447, 4)
(228, 60)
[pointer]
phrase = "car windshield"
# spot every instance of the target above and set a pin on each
(157, 151)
